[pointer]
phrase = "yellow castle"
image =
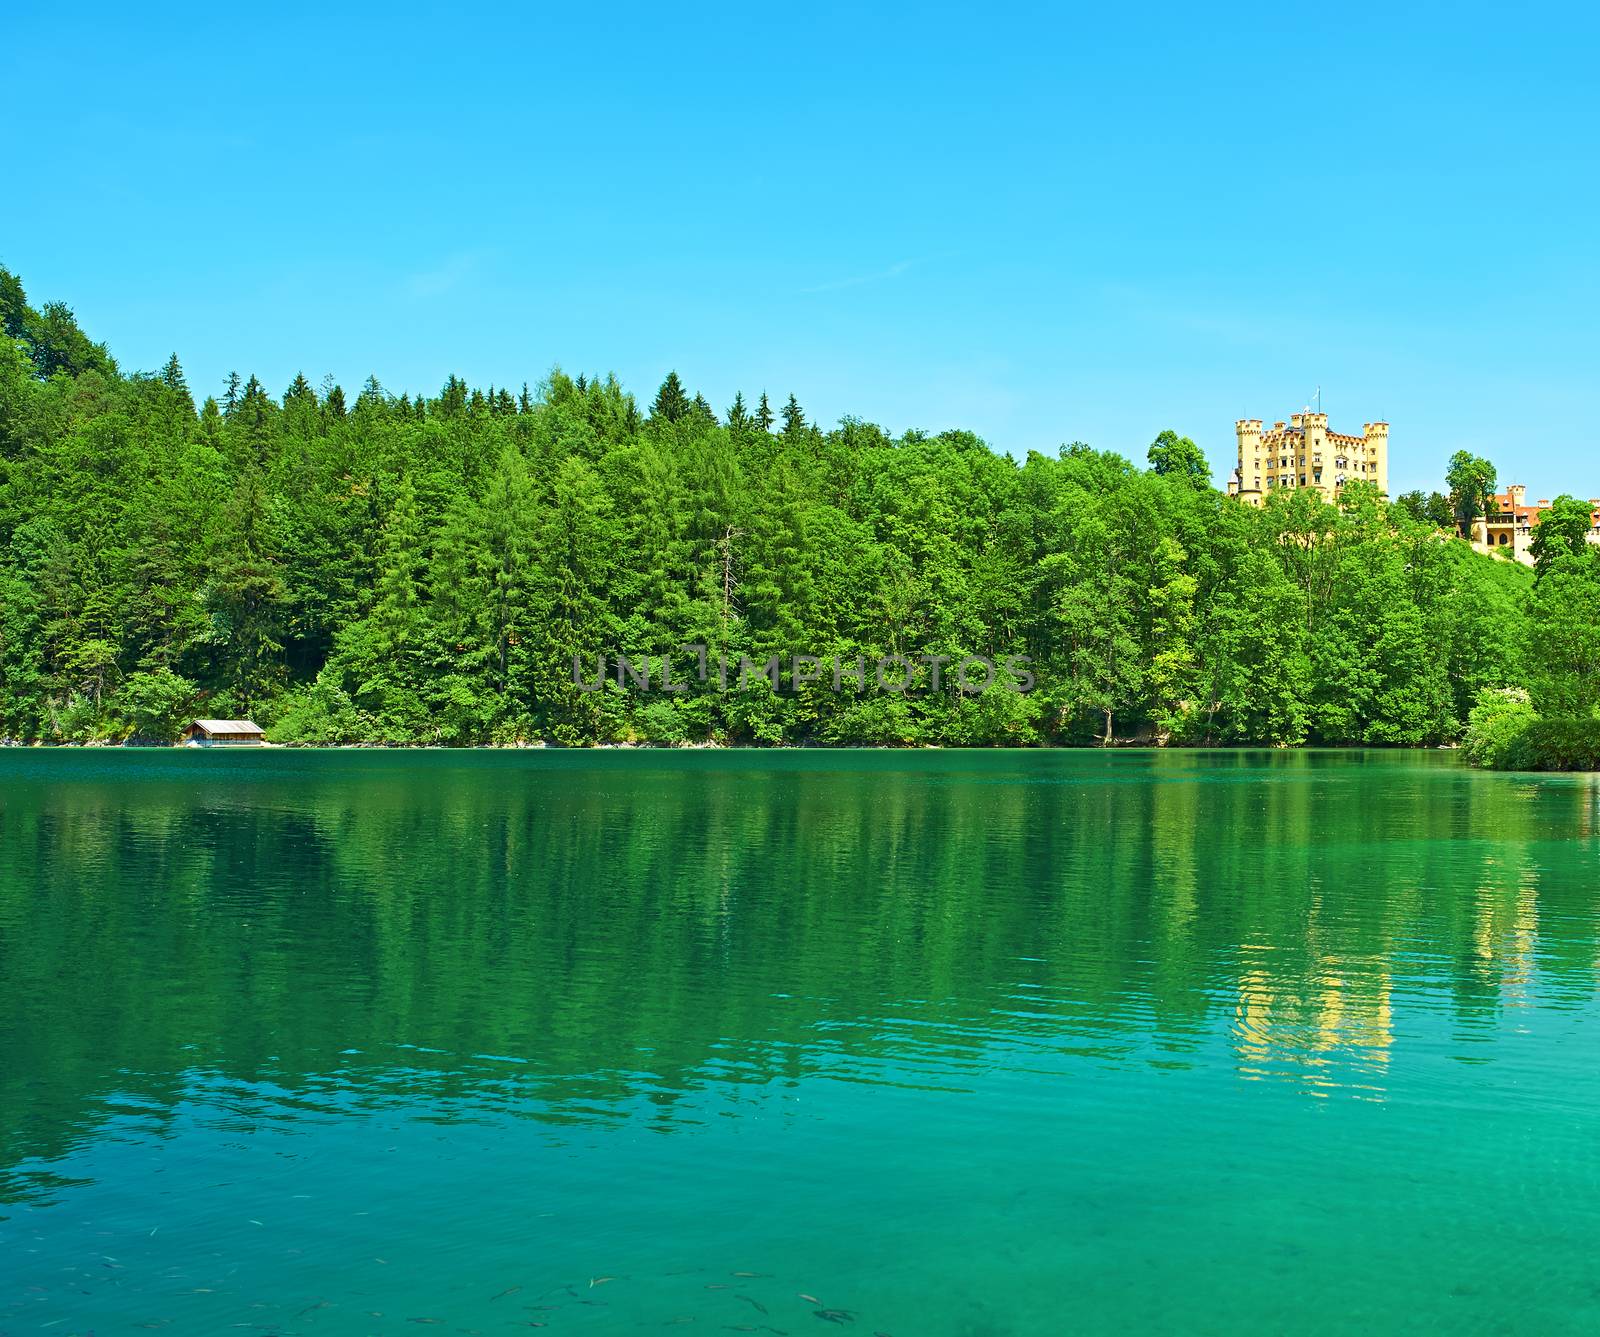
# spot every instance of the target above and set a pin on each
(1304, 453)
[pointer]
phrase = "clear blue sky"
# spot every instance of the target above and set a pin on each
(1037, 224)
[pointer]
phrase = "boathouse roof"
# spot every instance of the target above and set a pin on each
(228, 727)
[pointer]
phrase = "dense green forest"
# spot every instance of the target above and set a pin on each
(395, 569)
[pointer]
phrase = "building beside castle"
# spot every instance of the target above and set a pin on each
(1508, 527)
(1304, 453)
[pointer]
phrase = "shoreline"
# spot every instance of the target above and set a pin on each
(1131, 745)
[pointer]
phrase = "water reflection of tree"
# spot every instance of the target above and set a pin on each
(583, 937)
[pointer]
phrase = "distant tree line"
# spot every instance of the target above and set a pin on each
(424, 569)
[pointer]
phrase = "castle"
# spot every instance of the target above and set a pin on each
(1304, 453)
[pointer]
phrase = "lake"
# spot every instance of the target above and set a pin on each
(966, 1043)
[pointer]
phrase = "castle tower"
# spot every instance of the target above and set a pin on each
(1248, 431)
(1313, 446)
(1375, 435)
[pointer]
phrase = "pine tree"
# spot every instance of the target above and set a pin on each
(402, 560)
(252, 421)
(577, 541)
(738, 416)
(211, 421)
(301, 411)
(172, 376)
(764, 414)
(794, 420)
(453, 398)
(246, 595)
(509, 558)
(671, 402)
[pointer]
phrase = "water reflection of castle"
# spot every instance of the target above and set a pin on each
(1331, 1031)
(1329, 1024)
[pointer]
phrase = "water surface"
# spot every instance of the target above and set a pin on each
(953, 1043)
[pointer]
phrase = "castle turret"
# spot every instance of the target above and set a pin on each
(1248, 431)
(1376, 437)
(1315, 442)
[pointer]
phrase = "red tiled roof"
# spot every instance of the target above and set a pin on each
(1529, 515)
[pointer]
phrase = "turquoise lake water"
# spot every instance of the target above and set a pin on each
(966, 1044)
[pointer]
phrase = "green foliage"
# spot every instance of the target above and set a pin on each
(156, 704)
(1471, 480)
(1560, 745)
(1555, 725)
(1430, 508)
(1178, 457)
(1561, 532)
(671, 401)
(429, 569)
(1504, 732)
(1564, 634)
(1497, 727)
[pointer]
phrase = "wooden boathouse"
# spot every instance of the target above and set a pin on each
(224, 733)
